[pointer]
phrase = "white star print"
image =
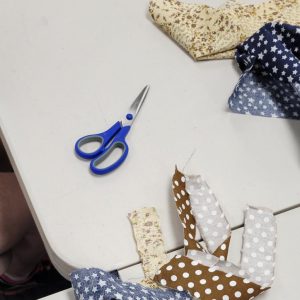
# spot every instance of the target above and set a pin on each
(118, 296)
(102, 283)
(280, 37)
(273, 49)
(264, 97)
(76, 276)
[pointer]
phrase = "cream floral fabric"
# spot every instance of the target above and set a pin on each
(149, 241)
(213, 33)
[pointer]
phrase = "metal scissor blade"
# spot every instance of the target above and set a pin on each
(137, 103)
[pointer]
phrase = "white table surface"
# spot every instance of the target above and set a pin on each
(70, 68)
(286, 281)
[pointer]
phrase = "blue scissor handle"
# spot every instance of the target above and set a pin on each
(117, 142)
(103, 138)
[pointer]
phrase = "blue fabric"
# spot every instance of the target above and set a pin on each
(96, 284)
(270, 83)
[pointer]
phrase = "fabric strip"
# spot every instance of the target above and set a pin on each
(259, 243)
(182, 200)
(211, 221)
(149, 240)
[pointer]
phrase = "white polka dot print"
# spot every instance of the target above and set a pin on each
(258, 245)
(213, 226)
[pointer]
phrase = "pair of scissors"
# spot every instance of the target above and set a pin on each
(111, 139)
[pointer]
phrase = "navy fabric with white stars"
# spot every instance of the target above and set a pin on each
(270, 83)
(96, 284)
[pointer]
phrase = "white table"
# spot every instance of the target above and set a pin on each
(70, 68)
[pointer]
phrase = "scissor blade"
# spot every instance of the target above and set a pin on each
(138, 102)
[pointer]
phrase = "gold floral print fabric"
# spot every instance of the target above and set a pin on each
(206, 32)
(149, 241)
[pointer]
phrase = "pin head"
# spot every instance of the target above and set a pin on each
(129, 117)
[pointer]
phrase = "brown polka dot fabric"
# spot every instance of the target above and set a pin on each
(182, 201)
(222, 250)
(204, 275)
(206, 283)
(206, 32)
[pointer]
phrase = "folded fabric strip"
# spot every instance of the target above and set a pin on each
(149, 240)
(212, 33)
(207, 274)
(97, 284)
(259, 244)
(270, 83)
(211, 221)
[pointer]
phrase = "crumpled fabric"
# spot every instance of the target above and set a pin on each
(96, 284)
(270, 83)
(206, 32)
(204, 271)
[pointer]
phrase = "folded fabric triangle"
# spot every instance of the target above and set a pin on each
(206, 32)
